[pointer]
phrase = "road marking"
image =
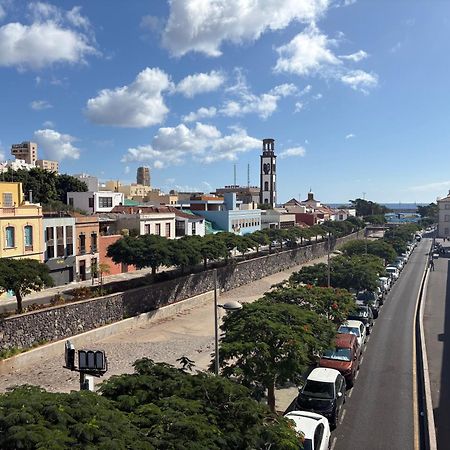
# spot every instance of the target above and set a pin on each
(356, 376)
(367, 340)
(362, 359)
(333, 443)
(350, 393)
(342, 416)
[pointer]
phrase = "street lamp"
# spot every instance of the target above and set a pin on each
(232, 305)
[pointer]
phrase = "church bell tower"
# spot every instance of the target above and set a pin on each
(268, 192)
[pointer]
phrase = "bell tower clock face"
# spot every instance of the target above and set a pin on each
(266, 168)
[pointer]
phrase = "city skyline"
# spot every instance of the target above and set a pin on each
(353, 109)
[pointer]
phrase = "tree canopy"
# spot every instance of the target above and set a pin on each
(430, 211)
(368, 208)
(267, 344)
(379, 248)
(23, 276)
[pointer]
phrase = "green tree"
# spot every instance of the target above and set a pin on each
(23, 276)
(430, 211)
(379, 248)
(376, 219)
(334, 304)
(178, 410)
(66, 183)
(368, 208)
(267, 344)
(184, 252)
(211, 249)
(260, 238)
(230, 240)
(244, 244)
(32, 418)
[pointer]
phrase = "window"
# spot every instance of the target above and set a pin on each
(91, 202)
(69, 240)
(446, 231)
(194, 231)
(71, 201)
(10, 237)
(82, 243)
(60, 242)
(147, 228)
(447, 206)
(93, 242)
(158, 229)
(7, 200)
(447, 218)
(49, 234)
(105, 202)
(266, 185)
(318, 435)
(28, 235)
(167, 229)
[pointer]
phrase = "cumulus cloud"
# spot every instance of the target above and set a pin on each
(200, 83)
(55, 145)
(39, 105)
(204, 26)
(49, 39)
(201, 113)
(349, 136)
(48, 124)
(202, 143)
(294, 151)
(137, 105)
(2, 12)
(355, 57)
(311, 53)
(359, 80)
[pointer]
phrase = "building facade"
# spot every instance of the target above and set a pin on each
(443, 230)
(20, 224)
(26, 151)
(59, 248)
(46, 164)
(268, 180)
(143, 176)
(90, 181)
(95, 202)
(86, 246)
(245, 194)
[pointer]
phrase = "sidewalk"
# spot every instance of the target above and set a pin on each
(190, 333)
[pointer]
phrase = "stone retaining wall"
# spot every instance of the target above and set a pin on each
(63, 321)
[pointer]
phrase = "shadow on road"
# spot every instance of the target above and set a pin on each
(441, 413)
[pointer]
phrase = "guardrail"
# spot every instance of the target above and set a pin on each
(425, 419)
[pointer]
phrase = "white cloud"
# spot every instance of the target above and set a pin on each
(355, 57)
(201, 113)
(246, 102)
(294, 151)
(200, 83)
(126, 170)
(308, 53)
(203, 26)
(55, 145)
(299, 106)
(2, 12)
(76, 19)
(39, 105)
(46, 41)
(137, 105)
(48, 124)
(360, 80)
(202, 143)
(350, 136)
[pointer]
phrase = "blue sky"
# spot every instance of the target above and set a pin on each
(355, 93)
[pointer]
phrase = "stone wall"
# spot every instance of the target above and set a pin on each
(59, 322)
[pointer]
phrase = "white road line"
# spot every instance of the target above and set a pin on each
(350, 393)
(356, 376)
(342, 416)
(367, 340)
(362, 359)
(333, 444)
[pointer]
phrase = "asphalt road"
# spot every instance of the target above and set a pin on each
(437, 339)
(378, 412)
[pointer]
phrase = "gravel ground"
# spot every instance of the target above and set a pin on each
(190, 333)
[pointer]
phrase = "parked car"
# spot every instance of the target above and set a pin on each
(385, 284)
(355, 327)
(364, 314)
(323, 393)
(398, 263)
(371, 299)
(393, 272)
(314, 427)
(345, 356)
(418, 237)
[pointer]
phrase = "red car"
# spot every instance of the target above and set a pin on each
(344, 356)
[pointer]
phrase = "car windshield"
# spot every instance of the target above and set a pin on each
(340, 354)
(360, 312)
(318, 389)
(349, 330)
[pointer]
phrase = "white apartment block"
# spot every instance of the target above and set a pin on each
(95, 202)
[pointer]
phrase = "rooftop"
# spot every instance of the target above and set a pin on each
(324, 374)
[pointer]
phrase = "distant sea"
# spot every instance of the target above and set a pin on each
(393, 206)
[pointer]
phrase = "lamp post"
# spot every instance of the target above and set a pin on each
(233, 305)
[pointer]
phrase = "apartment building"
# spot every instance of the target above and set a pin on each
(46, 164)
(444, 217)
(26, 151)
(95, 202)
(86, 246)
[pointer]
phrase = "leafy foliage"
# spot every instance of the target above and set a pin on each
(379, 248)
(176, 410)
(267, 344)
(23, 276)
(368, 208)
(430, 211)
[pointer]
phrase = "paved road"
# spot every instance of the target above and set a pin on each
(378, 413)
(437, 339)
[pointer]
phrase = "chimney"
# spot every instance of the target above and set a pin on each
(30, 196)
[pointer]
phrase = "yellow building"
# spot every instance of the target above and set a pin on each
(21, 233)
(129, 190)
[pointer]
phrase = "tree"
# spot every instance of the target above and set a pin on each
(178, 410)
(367, 208)
(32, 418)
(334, 304)
(66, 183)
(430, 211)
(230, 240)
(379, 248)
(260, 238)
(23, 276)
(184, 252)
(269, 344)
(244, 244)
(211, 249)
(376, 219)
